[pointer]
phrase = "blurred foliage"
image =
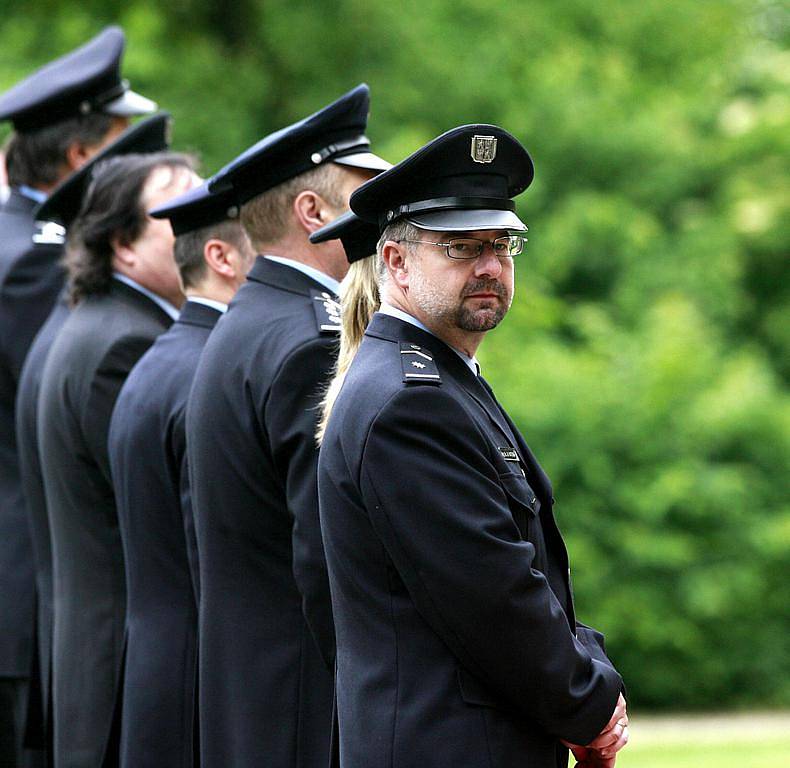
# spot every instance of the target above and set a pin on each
(647, 355)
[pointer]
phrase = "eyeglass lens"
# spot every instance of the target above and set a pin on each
(471, 248)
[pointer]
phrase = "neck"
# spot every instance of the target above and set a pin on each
(460, 340)
(207, 290)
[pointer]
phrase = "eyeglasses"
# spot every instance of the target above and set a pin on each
(466, 248)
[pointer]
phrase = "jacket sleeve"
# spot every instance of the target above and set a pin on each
(437, 503)
(291, 416)
(105, 387)
(28, 294)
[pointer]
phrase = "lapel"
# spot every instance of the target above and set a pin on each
(198, 314)
(285, 278)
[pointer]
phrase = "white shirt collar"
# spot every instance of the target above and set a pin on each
(218, 305)
(321, 277)
(32, 194)
(163, 303)
(388, 309)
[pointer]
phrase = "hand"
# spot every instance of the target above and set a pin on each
(601, 751)
(615, 735)
(589, 758)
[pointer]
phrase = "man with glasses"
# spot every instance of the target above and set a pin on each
(457, 642)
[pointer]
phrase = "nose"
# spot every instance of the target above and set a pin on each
(488, 263)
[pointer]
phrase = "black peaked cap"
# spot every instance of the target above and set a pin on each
(149, 135)
(359, 237)
(88, 79)
(464, 179)
(197, 208)
(335, 134)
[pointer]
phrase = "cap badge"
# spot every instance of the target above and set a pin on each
(483, 149)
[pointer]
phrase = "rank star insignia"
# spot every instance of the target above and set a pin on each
(417, 364)
(483, 149)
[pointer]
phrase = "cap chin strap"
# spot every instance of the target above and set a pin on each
(358, 143)
(443, 204)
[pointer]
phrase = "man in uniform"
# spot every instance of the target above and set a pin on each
(124, 283)
(456, 636)
(265, 615)
(147, 447)
(62, 206)
(62, 115)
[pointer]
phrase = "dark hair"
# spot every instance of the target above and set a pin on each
(111, 210)
(36, 158)
(188, 250)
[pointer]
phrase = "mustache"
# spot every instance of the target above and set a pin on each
(485, 286)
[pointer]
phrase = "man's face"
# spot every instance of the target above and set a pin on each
(350, 179)
(155, 267)
(78, 154)
(242, 258)
(468, 295)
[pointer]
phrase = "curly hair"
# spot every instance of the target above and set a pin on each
(112, 210)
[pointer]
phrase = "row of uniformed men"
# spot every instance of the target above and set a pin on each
(165, 444)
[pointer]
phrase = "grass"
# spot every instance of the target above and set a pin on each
(760, 740)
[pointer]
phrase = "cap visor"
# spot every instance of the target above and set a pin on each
(468, 220)
(128, 105)
(365, 160)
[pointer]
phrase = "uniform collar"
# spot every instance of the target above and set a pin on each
(387, 309)
(317, 275)
(196, 312)
(218, 305)
(281, 276)
(164, 304)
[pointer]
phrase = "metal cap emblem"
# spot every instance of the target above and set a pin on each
(483, 149)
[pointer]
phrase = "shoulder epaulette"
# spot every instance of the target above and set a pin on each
(49, 233)
(327, 311)
(418, 365)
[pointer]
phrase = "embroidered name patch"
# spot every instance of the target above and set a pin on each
(508, 454)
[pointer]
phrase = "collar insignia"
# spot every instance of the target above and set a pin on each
(418, 365)
(327, 311)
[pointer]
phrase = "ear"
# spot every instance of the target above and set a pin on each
(217, 255)
(77, 154)
(123, 254)
(395, 257)
(312, 211)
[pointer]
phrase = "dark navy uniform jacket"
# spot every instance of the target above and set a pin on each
(36, 504)
(148, 460)
(98, 345)
(265, 691)
(30, 279)
(457, 643)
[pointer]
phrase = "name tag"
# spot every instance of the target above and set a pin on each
(508, 454)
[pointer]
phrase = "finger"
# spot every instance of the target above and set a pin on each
(608, 738)
(612, 749)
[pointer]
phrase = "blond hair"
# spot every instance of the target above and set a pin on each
(360, 299)
(266, 217)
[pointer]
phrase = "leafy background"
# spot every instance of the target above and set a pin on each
(647, 356)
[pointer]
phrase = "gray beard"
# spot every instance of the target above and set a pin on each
(452, 313)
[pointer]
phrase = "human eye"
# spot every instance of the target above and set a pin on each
(502, 246)
(464, 248)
